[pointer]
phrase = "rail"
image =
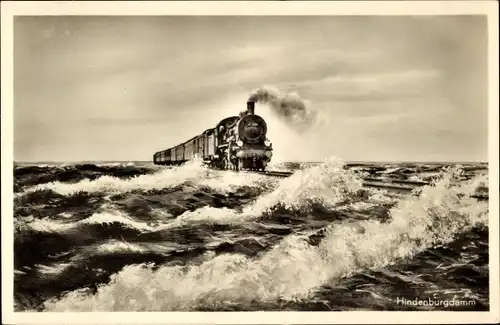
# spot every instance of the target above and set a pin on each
(382, 183)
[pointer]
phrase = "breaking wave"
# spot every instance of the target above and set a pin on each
(326, 184)
(193, 173)
(294, 268)
(171, 177)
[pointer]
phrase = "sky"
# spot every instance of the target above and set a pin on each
(399, 88)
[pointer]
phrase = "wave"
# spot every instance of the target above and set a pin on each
(54, 269)
(227, 182)
(29, 175)
(338, 239)
(165, 178)
(193, 172)
(119, 246)
(293, 269)
(326, 184)
(48, 225)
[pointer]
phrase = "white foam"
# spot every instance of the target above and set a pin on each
(228, 181)
(43, 225)
(53, 269)
(195, 171)
(115, 216)
(190, 171)
(293, 269)
(122, 246)
(327, 184)
(53, 226)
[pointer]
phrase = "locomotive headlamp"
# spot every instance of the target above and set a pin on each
(240, 143)
(267, 143)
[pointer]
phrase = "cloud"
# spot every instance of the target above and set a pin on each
(90, 86)
(373, 87)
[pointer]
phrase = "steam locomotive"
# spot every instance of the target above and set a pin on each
(235, 143)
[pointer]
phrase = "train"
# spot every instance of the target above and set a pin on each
(235, 143)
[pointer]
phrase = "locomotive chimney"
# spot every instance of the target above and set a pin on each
(250, 108)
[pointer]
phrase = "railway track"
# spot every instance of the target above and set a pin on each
(398, 185)
(391, 184)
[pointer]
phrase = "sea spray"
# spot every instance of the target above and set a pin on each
(293, 269)
(47, 225)
(227, 182)
(29, 175)
(278, 257)
(193, 171)
(328, 184)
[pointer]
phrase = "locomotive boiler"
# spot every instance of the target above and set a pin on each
(235, 143)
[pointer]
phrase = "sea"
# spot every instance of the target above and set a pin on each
(132, 236)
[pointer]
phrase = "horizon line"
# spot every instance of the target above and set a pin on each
(290, 161)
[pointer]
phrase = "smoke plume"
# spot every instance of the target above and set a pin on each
(290, 107)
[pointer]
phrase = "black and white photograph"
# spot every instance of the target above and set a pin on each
(229, 162)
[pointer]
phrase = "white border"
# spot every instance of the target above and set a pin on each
(11, 8)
